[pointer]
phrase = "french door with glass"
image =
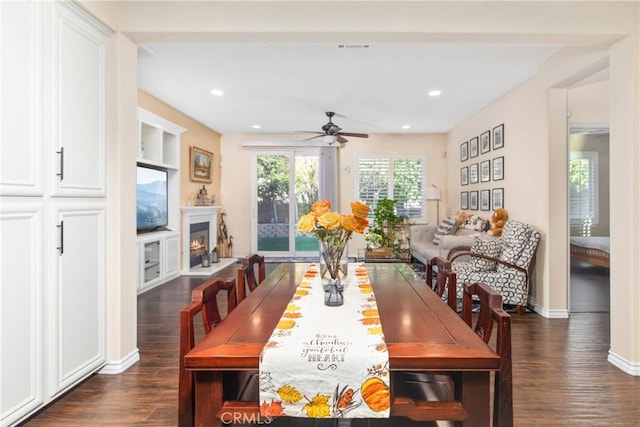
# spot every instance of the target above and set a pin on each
(285, 186)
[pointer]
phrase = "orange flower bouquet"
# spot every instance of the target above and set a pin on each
(333, 230)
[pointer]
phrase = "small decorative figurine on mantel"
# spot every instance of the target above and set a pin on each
(225, 244)
(203, 198)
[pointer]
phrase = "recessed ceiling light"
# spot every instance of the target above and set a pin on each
(406, 126)
(256, 126)
(217, 92)
(434, 92)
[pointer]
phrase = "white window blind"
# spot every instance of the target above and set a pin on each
(583, 189)
(396, 177)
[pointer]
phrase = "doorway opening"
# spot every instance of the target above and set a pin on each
(589, 219)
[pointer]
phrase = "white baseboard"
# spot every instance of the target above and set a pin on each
(623, 364)
(119, 366)
(551, 314)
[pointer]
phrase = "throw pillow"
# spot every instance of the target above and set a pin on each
(489, 247)
(448, 225)
(472, 221)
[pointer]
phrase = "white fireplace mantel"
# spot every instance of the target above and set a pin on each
(194, 215)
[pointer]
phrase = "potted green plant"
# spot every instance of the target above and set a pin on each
(384, 224)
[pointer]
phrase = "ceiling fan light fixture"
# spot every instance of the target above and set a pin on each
(329, 139)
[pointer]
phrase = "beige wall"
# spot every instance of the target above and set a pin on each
(534, 162)
(624, 152)
(590, 103)
(122, 258)
(195, 135)
(236, 177)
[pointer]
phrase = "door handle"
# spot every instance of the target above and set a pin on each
(61, 228)
(61, 173)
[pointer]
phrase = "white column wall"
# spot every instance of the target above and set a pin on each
(624, 153)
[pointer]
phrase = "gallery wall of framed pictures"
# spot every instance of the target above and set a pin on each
(482, 169)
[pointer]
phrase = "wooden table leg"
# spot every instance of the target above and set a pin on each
(208, 398)
(475, 398)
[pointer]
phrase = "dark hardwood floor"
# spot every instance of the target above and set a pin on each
(561, 375)
(589, 288)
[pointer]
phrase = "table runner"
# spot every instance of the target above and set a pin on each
(325, 361)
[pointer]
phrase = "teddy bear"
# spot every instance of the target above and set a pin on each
(498, 219)
(462, 218)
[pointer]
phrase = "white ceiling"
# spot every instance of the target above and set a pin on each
(288, 87)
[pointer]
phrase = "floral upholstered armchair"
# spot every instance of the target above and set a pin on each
(503, 263)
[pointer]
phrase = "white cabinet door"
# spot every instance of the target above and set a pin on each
(21, 310)
(159, 258)
(76, 114)
(172, 256)
(52, 304)
(20, 99)
(77, 298)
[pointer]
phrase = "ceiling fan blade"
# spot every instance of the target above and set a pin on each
(342, 116)
(342, 140)
(308, 131)
(356, 135)
(313, 137)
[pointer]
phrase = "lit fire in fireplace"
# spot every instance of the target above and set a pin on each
(197, 247)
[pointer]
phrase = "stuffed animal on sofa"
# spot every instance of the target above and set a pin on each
(463, 218)
(498, 219)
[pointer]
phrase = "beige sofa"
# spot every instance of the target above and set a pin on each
(423, 249)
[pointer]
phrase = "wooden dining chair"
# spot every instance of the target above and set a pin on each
(250, 274)
(441, 278)
(204, 301)
(491, 312)
(421, 386)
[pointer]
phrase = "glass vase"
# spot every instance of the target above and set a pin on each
(334, 260)
(333, 296)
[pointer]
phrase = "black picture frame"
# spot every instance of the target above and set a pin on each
(497, 197)
(473, 147)
(498, 168)
(464, 176)
(464, 151)
(473, 200)
(485, 142)
(485, 200)
(498, 136)
(473, 174)
(464, 200)
(485, 171)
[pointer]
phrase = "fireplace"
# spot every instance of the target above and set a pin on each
(199, 226)
(200, 243)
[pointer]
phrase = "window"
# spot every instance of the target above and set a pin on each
(399, 177)
(583, 189)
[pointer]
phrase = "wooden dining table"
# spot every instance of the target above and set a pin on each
(421, 332)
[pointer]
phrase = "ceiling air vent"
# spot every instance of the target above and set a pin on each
(353, 46)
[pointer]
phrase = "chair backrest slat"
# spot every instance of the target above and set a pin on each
(444, 277)
(491, 312)
(250, 274)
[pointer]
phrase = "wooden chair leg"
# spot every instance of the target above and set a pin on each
(520, 309)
